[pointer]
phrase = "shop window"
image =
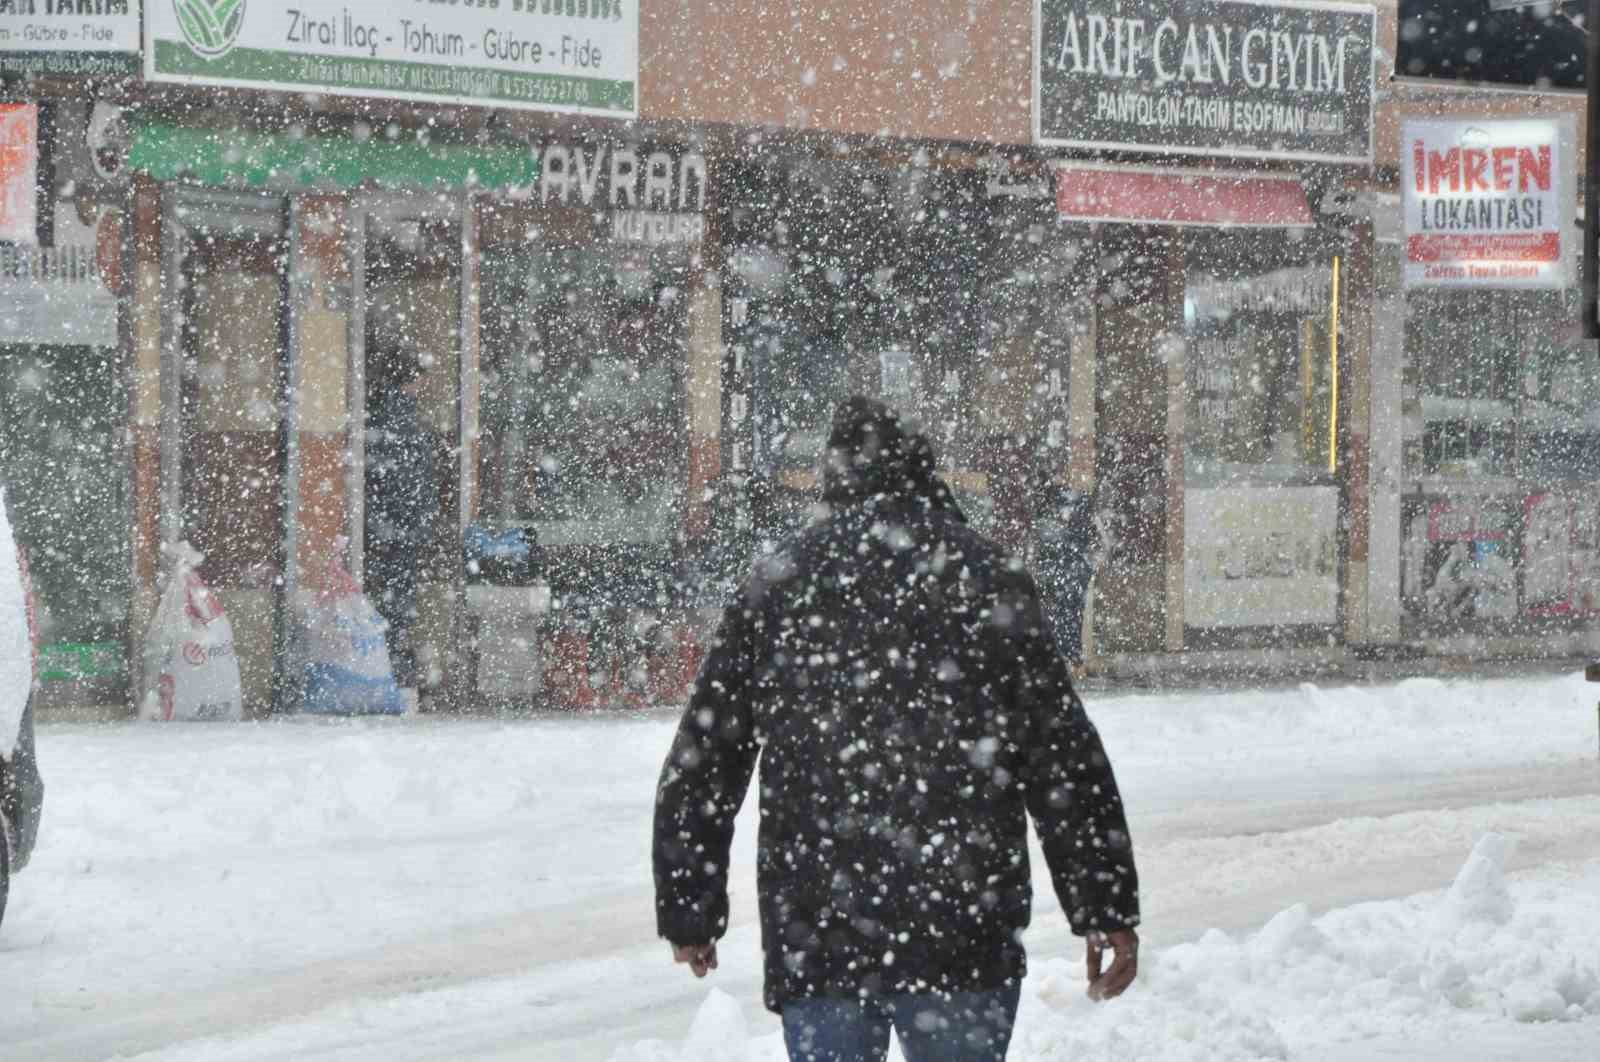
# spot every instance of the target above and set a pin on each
(583, 394)
(1501, 389)
(1260, 360)
(910, 282)
(62, 459)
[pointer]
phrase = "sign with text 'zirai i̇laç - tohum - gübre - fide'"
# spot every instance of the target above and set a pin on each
(548, 55)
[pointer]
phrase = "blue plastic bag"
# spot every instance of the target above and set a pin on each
(347, 666)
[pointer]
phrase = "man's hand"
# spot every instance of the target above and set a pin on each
(1124, 944)
(702, 958)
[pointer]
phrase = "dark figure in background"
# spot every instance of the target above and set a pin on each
(1005, 461)
(1068, 546)
(892, 672)
(402, 497)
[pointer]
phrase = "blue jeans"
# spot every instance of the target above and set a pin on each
(960, 1027)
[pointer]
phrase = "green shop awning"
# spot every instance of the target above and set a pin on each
(279, 160)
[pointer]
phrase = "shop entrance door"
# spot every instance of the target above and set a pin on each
(226, 438)
(414, 480)
(1137, 320)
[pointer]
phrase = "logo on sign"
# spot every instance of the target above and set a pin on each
(210, 27)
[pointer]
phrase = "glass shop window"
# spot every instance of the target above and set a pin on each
(583, 393)
(1260, 369)
(1505, 387)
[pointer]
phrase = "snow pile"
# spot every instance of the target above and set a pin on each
(1416, 724)
(1380, 970)
(719, 1034)
(1482, 950)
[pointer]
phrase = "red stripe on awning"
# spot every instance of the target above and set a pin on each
(1143, 197)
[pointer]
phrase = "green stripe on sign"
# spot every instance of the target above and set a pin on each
(231, 157)
(265, 68)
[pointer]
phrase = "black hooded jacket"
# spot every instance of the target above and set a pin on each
(891, 670)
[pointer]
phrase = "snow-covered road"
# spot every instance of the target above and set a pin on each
(474, 889)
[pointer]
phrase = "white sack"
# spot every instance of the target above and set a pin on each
(190, 671)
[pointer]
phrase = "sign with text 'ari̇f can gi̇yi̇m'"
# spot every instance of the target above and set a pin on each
(1488, 203)
(75, 38)
(547, 55)
(1234, 78)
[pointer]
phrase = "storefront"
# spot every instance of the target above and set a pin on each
(638, 301)
(1498, 522)
(556, 293)
(600, 389)
(1227, 332)
(64, 387)
(548, 271)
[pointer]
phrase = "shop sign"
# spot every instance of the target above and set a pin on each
(82, 38)
(1488, 203)
(19, 173)
(646, 196)
(545, 55)
(1260, 556)
(1251, 78)
(1301, 290)
(62, 295)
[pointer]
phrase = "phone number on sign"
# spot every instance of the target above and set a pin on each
(544, 90)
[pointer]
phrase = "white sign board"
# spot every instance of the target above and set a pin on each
(1260, 556)
(547, 55)
(99, 38)
(59, 296)
(1488, 203)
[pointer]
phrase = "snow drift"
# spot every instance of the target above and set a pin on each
(1484, 948)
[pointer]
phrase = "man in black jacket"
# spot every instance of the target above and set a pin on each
(892, 671)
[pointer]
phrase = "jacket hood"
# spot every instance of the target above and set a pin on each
(873, 454)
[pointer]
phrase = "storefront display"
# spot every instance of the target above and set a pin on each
(1259, 371)
(932, 286)
(1458, 561)
(585, 316)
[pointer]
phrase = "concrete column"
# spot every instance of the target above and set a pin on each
(1354, 281)
(144, 398)
(321, 509)
(1174, 352)
(703, 385)
(1387, 451)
